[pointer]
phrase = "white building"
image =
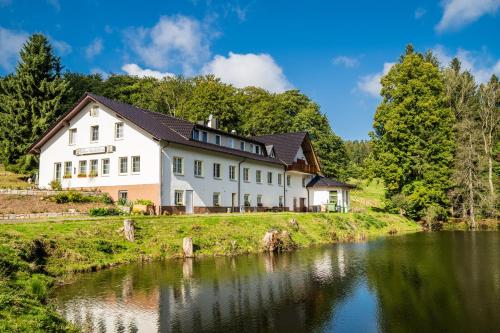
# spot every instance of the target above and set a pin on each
(180, 166)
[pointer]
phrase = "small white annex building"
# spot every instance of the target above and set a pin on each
(180, 166)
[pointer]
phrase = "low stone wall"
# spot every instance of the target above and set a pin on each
(44, 193)
(11, 217)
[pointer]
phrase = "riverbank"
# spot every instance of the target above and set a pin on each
(35, 256)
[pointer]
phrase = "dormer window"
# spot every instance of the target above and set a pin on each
(204, 136)
(196, 134)
(94, 110)
(230, 142)
(217, 139)
(257, 150)
(242, 145)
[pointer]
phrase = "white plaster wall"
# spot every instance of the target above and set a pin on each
(136, 142)
(300, 155)
(203, 188)
(296, 190)
(321, 196)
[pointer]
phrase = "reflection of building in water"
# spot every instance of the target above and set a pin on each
(127, 311)
(284, 295)
(291, 292)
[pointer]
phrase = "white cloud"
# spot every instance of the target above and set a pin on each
(345, 61)
(61, 46)
(480, 64)
(458, 13)
(10, 44)
(242, 70)
(135, 70)
(420, 12)
(174, 40)
(55, 4)
(371, 83)
(95, 48)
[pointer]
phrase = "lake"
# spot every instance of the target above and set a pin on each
(423, 282)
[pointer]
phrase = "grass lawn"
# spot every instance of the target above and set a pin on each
(12, 180)
(35, 255)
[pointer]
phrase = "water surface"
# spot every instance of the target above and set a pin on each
(425, 282)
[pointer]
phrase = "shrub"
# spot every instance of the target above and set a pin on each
(104, 211)
(145, 202)
(123, 202)
(55, 185)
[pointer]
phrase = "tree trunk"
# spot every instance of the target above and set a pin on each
(490, 175)
(129, 230)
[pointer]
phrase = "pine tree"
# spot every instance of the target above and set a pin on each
(30, 101)
(413, 137)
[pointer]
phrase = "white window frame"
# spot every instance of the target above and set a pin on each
(95, 169)
(219, 139)
(108, 162)
(80, 164)
(119, 130)
(58, 171)
(132, 161)
(280, 179)
(92, 133)
(258, 176)
(288, 180)
(198, 166)
(281, 201)
(270, 177)
(216, 199)
(196, 134)
(257, 149)
(120, 159)
(94, 111)
(175, 165)
(232, 172)
(217, 172)
(72, 136)
(179, 198)
(122, 196)
(68, 165)
(259, 200)
(230, 142)
(204, 136)
(247, 198)
(242, 145)
(246, 175)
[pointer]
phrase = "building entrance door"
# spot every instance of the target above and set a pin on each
(189, 202)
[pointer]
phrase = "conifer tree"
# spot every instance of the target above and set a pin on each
(413, 137)
(29, 101)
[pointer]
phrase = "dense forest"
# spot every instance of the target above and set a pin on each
(434, 144)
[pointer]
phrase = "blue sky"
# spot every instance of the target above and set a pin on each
(333, 51)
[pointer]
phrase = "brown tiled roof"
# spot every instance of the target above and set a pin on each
(320, 181)
(285, 145)
(161, 126)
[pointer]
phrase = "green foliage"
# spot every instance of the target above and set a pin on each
(80, 197)
(55, 185)
(109, 211)
(145, 202)
(413, 135)
(30, 101)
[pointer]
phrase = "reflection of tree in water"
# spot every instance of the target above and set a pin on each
(446, 282)
(293, 292)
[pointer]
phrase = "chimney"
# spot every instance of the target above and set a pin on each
(212, 122)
